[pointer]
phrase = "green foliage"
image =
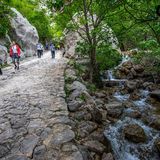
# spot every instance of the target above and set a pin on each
(107, 57)
(80, 69)
(82, 97)
(91, 87)
(149, 55)
(4, 18)
(36, 16)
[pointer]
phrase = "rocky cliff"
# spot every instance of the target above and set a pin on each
(23, 33)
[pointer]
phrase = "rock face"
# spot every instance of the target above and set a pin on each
(71, 38)
(95, 146)
(129, 70)
(155, 94)
(24, 33)
(114, 109)
(3, 53)
(134, 133)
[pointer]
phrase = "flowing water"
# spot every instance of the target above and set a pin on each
(122, 148)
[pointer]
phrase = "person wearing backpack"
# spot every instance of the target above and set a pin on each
(52, 49)
(39, 50)
(15, 53)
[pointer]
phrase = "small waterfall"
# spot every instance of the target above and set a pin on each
(110, 75)
(121, 97)
(125, 58)
(141, 104)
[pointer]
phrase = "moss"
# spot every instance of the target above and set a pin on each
(5, 65)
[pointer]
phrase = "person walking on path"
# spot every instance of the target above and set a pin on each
(52, 49)
(39, 50)
(15, 53)
(42, 49)
(0, 67)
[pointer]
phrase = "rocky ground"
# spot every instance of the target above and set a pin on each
(34, 121)
(116, 121)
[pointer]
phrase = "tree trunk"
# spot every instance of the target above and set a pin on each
(94, 70)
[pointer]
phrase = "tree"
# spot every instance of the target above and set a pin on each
(4, 18)
(87, 18)
(35, 15)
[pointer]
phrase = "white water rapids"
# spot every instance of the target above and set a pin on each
(122, 148)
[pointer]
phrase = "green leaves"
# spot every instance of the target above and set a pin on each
(4, 18)
(36, 16)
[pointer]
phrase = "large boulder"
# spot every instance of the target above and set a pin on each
(107, 156)
(155, 94)
(114, 109)
(157, 143)
(3, 53)
(24, 33)
(72, 37)
(134, 133)
(95, 146)
(77, 88)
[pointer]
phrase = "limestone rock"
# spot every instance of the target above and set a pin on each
(74, 105)
(127, 64)
(157, 143)
(70, 75)
(61, 134)
(138, 68)
(4, 149)
(3, 53)
(89, 100)
(39, 153)
(85, 128)
(95, 146)
(77, 88)
(17, 157)
(71, 38)
(24, 33)
(134, 133)
(81, 115)
(28, 145)
(131, 86)
(155, 123)
(114, 109)
(71, 156)
(155, 94)
(107, 156)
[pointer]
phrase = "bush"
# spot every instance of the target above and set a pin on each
(149, 55)
(4, 19)
(107, 57)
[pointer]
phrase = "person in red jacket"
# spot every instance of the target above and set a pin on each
(15, 53)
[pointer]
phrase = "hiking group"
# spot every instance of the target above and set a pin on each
(15, 53)
(40, 49)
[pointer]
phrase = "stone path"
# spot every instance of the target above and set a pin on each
(34, 121)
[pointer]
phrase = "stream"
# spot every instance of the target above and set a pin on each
(122, 148)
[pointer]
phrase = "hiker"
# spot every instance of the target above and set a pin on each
(15, 53)
(42, 49)
(0, 67)
(52, 49)
(47, 46)
(39, 50)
